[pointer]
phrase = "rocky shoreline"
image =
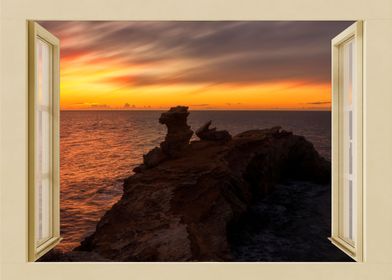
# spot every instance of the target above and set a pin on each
(188, 199)
(290, 224)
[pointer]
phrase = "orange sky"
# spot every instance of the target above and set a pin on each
(117, 65)
(98, 86)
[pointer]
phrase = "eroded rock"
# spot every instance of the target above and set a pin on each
(177, 138)
(183, 208)
(178, 131)
(154, 157)
(211, 134)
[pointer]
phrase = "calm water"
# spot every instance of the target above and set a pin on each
(100, 148)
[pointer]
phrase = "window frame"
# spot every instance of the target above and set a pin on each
(37, 32)
(36, 248)
(377, 135)
(355, 32)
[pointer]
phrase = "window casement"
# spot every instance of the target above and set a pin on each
(44, 210)
(347, 190)
(347, 127)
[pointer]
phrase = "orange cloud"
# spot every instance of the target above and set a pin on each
(205, 65)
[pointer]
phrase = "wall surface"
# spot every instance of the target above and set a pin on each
(377, 16)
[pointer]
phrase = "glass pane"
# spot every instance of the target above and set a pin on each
(348, 122)
(43, 142)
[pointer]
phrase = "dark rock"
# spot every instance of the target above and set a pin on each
(283, 156)
(184, 208)
(153, 157)
(73, 256)
(211, 134)
(139, 168)
(292, 223)
(178, 131)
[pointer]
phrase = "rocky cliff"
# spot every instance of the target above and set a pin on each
(186, 198)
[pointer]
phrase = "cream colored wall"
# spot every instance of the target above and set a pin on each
(377, 139)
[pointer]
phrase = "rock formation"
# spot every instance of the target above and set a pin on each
(152, 158)
(184, 207)
(178, 131)
(291, 223)
(211, 134)
(56, 255)
(177, 138)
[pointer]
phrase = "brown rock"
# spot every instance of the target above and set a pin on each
(74, 256)
(211, 134)
(178, 131)
(184, 208)
(153, 157)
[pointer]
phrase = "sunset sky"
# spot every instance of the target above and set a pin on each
(204, 65)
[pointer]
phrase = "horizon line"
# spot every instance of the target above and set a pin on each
(145, 109)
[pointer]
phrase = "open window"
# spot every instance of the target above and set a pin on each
(44, 229)
(347, 201)
(44, 186)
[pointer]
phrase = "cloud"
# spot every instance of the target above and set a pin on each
(200, 105)
(128, 106)
(99, 106)
(204, 52)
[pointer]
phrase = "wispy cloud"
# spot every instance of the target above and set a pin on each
(227, 64)
(205, 52)
(199, 105)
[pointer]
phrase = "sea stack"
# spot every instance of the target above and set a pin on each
(177, 138)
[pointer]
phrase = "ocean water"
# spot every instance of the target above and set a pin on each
(98, 149)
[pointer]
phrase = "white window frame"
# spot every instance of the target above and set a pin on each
(353, 250)
(37, 249)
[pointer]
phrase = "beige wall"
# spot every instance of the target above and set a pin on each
(377, 16)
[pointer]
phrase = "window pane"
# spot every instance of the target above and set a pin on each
(348, 124)
(43, 142)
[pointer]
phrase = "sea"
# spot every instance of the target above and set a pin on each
(98, 149)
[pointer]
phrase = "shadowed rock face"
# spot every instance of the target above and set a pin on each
(151, 159)
(74, 256)
(178, 131)
(183, 208)
(211, 134)
(177, 138)
(291, 223)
